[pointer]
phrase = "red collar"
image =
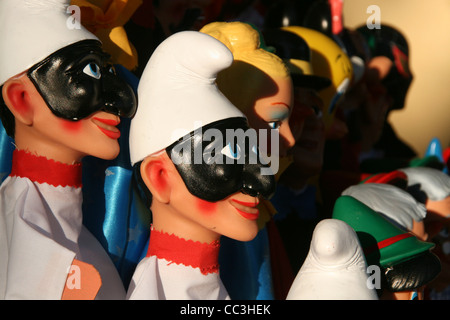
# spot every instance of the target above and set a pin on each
(42, 170)
(186, 252)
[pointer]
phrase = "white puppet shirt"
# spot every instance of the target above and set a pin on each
(178, 269)
(42, 235)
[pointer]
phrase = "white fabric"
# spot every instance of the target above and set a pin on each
(158, 279)
(31, 30)
(395, 204)
(41, 233)
(335, 268)
(177, 92)
(434, 183)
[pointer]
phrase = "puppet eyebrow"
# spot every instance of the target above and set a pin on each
(280, 103)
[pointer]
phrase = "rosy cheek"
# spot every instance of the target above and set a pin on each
(206, 207)
(71, 126)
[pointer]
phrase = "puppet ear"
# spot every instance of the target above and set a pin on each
(155, 175)
(16, 94)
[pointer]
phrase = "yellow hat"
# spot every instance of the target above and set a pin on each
(329, 61)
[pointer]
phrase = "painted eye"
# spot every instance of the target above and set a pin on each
(414, 295)
(228, 152)
(93, 70)
(274, 125)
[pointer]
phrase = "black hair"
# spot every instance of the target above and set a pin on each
(140, 190)
(413, 273)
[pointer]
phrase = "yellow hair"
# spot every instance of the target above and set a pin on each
(253, 66)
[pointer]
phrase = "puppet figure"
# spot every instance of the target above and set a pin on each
(202, 183)
(259, 84)
(295, 198)
(61, 102)
(401, 263)
(329, 61)
(431, 187)
(335, 268)
(265, 93)
(390, 64)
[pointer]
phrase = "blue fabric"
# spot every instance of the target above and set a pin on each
(435, 149)
(303, 204)
(112, 211)
(7, 148)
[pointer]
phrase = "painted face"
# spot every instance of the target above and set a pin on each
(234, 216)
(220, 160)
(273, 112)
(69, 141)
(77, 81)
(309, 145)
(438, 209)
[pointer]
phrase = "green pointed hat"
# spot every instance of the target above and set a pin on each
(384, 244)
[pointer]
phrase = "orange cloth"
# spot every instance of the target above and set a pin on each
(83, 282)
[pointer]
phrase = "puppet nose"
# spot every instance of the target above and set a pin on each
(254, 183)
(119, 97)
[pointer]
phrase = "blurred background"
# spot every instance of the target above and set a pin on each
(426, 25)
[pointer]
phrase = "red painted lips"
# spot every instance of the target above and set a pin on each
(108, 127)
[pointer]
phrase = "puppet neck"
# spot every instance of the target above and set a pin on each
(186, 252)
(42, 170)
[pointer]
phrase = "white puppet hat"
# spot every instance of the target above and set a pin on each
(177, 92)
(434, 183)
(31, 30)
(335, 268)
(394, 203)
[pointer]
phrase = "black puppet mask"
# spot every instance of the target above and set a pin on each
(77, 81)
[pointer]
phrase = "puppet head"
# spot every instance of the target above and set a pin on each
(258, 82)
(335, 267)
(391, 43)
(296, 54)
(62, 97)
(406, 262)
(432, 188)
(329, 61)
(203, 177)
(306, 119)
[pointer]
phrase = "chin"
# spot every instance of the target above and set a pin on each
(107, 153)
(247, 235)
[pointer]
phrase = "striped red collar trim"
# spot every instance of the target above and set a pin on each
(42, 170)
(186, 252)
